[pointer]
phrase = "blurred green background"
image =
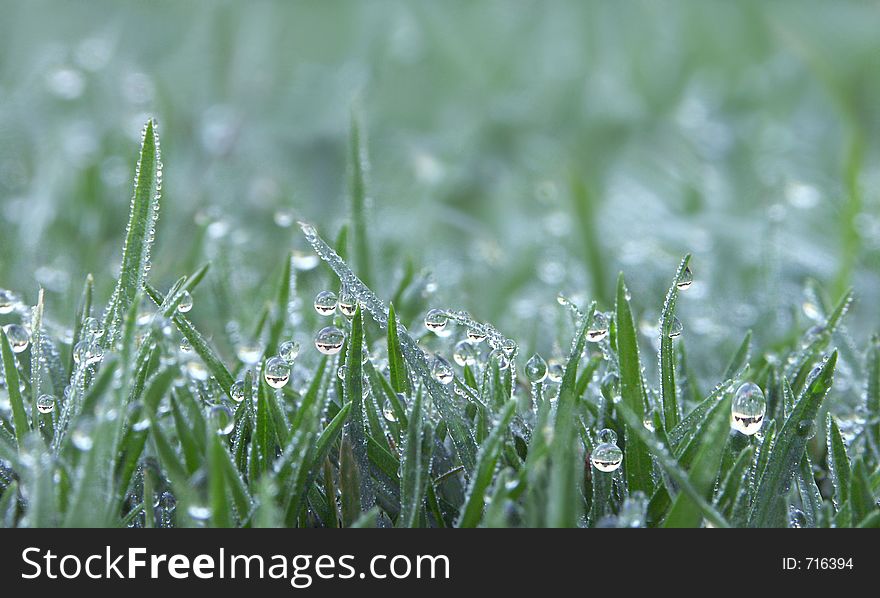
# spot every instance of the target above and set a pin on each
(517, 149)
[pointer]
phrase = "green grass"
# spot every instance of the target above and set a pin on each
(139, 436)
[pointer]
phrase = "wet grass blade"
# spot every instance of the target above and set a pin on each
(140, 233)
(396, 364)
(788, 450)
(733, 483)
(280, 311)
(412, 478)
(741, 358)
(668, 393)
(354, 390)
(16, 402)
(838, 461)
(358, 165)
(861, 497)
(82, 312)
(872, 390)
(704, 471)
(636, 458)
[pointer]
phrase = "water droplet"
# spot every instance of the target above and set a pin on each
(46, 404)
(18, 337)
(186, 303)
(435, 320)
(797, 519)
(388, 414)
(302, 260)
(475, 336)
(442, 370)
(277, 372)
(199, 513)
(94, 353)
(82, 438)
(598, 329)
(499, 357)
(747, 409)
(197, 370)
(607, 456)
(236, 391)
(341, 371)
(288, 351)
(464, 353)
(649, 423)
(676, 329)
(93, 327)
(249, 352)
(329, 340)
(8, 300)
(347, 303)
(536, 369)
(555, 370)
(185, 346)
(685, 280)
(325, 303)
(806, 428)
(223, 419)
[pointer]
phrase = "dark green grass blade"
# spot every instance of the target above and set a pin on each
(16, 402)
(741, 358)
(733, 483)
(396, 364)
(788, 450)
(358, 189)
(355, 429)
(280, 312)
(838, 461)
(637, 461)
(82, 312)
(861, 498)
(684, 512)
(669, 397)
(139, 235)
(413, 471)
(872, 390)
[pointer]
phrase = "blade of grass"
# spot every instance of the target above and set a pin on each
(396, 365)
(668, 390)
(19, 412)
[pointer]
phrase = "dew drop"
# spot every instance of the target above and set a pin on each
(536, 369)
(236, 391)
(277, 372)
(325, 303)
(676, 329)
(797, 519)
(555, 370)
(747, 409)
(8, 300)
(249, 352)
(607, 456)
(341, 371)
(82, 439)
(185, 346)
(435, 320)
(197, 370)
(329, 340)
(347, 303)
(442, 370)
(288, 351)
(598, 329)
(464, 353)
(93, 327)
(685, 280)
(46, 404)
(302, 260)
(18, 337)
(475, 336)
(499, 357)
(388, 414)
(186, 303)
(94, 353)
(223, 419)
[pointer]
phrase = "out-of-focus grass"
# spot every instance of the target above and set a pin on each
(515, 153)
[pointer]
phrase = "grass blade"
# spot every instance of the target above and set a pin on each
(19, 412)
(396, 365)
(668, 391)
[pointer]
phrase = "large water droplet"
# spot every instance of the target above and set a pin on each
(223, 419)
(555, 370)
(325, 303)
(676, 329)
(236, 391)
(442, 370)
(747, 409)
(341, 371)
(277, 372)
(197, 370)
(388, 414)
(46, 404)
(288, 351)
(500, 358)
(18, 337)
(347, 303)
(607, 456)
(435, 320)
(475, 336)
(329, 340)
(464, 353)
(685, 280)
(598, 329)
(536, 369)
(8, 300)
(249, 352)
(93, 328)
(186, 303)
(185, 345)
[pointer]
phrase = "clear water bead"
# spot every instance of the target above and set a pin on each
(500, 358)
(325, 303)
(347, 303)
(249, 352)
(598, 329)
(18, 337)
(388, 414)
(329, 340)
(46, 404)
(341, 371)
(223, 419)
(288, 351)
(442, 370)
(607, 456)
(747, 409)
(277, 372)
(555, 370)
(185, 346)
(435, 320)
(186, 303)
(475, 336)
(93, 327)
(685, 280)
(197, 370)
(464, 353)
(8, 300)
(676, 329)
(536, 369)
(236, 391)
